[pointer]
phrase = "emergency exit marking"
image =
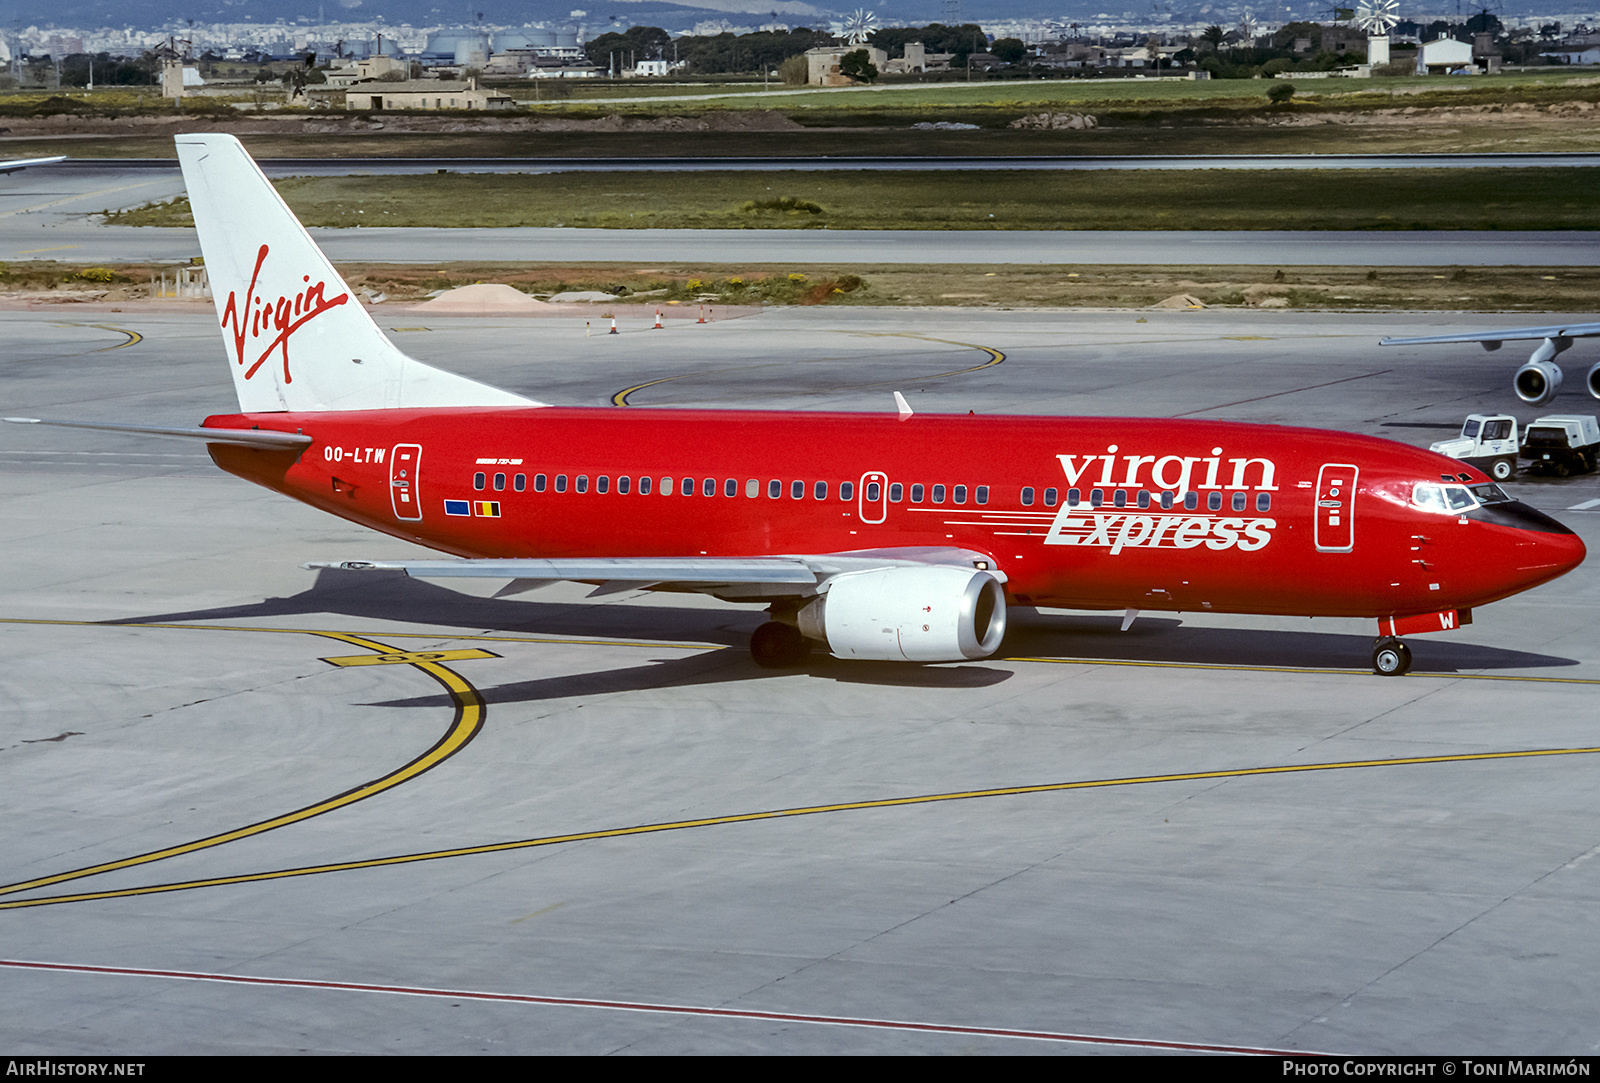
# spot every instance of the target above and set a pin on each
(406, 658)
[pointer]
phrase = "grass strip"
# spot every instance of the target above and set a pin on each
(1331, 199)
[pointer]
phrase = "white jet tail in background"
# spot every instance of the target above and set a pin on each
(296, 335)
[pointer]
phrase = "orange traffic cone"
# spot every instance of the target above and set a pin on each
(702, 318)
(613, 326)
(657, 327)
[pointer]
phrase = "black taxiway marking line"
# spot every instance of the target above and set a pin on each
(780, 814)
(468, 721)
(721, 1012)
(1280, 394)
(995, 358)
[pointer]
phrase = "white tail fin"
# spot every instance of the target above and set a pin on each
(296, 334)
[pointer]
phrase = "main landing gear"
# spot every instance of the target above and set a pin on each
(1390, 657)
(779, 646)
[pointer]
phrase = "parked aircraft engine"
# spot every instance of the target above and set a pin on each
(1594, 380)
(932, 614)
(1537, 382)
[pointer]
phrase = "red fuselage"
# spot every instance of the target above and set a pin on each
(1082, 513)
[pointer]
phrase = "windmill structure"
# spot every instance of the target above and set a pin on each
(1377, 18)
(1249, 27)
(859, 26)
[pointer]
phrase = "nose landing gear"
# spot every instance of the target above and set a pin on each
(1390, 657)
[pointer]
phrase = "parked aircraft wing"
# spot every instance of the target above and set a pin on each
(23, 163)
(1572, 330)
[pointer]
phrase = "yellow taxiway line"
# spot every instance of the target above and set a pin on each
(468, 720)
(778, 814)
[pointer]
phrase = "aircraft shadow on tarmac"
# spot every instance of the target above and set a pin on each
(379, 596)
(1166, 640)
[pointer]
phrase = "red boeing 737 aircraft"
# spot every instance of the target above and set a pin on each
(877, 537)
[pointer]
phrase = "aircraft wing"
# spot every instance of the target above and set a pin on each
(746, 578)
(23, 163)
(1492, 339)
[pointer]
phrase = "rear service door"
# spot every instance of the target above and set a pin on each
(403, 494)
(1336, 508)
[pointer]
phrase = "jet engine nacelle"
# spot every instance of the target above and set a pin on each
(931, 614)
(1537, 382)
(1594, 380)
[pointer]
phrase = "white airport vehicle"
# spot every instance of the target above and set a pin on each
(1488, 442)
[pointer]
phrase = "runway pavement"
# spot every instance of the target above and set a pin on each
(545, 824)
(49, 214)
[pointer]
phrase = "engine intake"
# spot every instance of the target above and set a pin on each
(1537, 382)
(925, 614)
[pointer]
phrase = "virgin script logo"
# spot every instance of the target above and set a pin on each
(262, 316)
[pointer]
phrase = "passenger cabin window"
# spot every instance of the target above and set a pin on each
(820, 490)
(797, 490)
(938, 494)
(1263, 501)
(1191, 501)
(1119, 499)
(539, 482)
(1027, 496)
(1096, 497)
(896, 491)
(1144, 498)
(847, 491)
(666, 487)
(561, 483)
(687, 488)
(478, 480)
(1166, 501)
(520, 482)
(644, 486)
(872, 491)
(752, 488)
(1074, 498)
(623, 484)
(499, 482)
(1214, 501)
(916, 494)
(1050, 496)
(580, 484)
(774, 489)
(708, 487)
(730, 487)
(602, 484)
(958, 494)
(983, 494)
(1239, 500)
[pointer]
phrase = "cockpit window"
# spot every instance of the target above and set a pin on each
(1428, 497)
(1447, 499)
(1490, 494)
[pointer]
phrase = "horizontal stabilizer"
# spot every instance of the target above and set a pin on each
(256, 438)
